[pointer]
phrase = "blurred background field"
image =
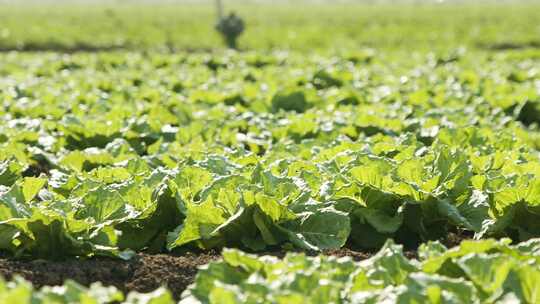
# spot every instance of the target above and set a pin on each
(68, 26)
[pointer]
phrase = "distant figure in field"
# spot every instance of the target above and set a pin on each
(230, 27)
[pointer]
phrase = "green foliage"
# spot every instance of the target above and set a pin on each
(298, 25)
(295, 101)
(21, 291)
(132, 164)
(476, 272)
(157, 150)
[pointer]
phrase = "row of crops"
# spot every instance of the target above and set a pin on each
(110, 154)
(179, 25)
(486, 271)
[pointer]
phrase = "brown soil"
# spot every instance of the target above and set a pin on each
(143, 273)
(455, 238)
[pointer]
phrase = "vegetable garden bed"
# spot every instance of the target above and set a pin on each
(358, 176)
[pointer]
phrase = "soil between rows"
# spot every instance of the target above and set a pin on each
(144, 272)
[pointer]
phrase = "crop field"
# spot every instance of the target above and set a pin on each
(347, 152)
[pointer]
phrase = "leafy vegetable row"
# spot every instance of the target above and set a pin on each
(487, 271)
(252, 151)
(22, 291)
(344, 192)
